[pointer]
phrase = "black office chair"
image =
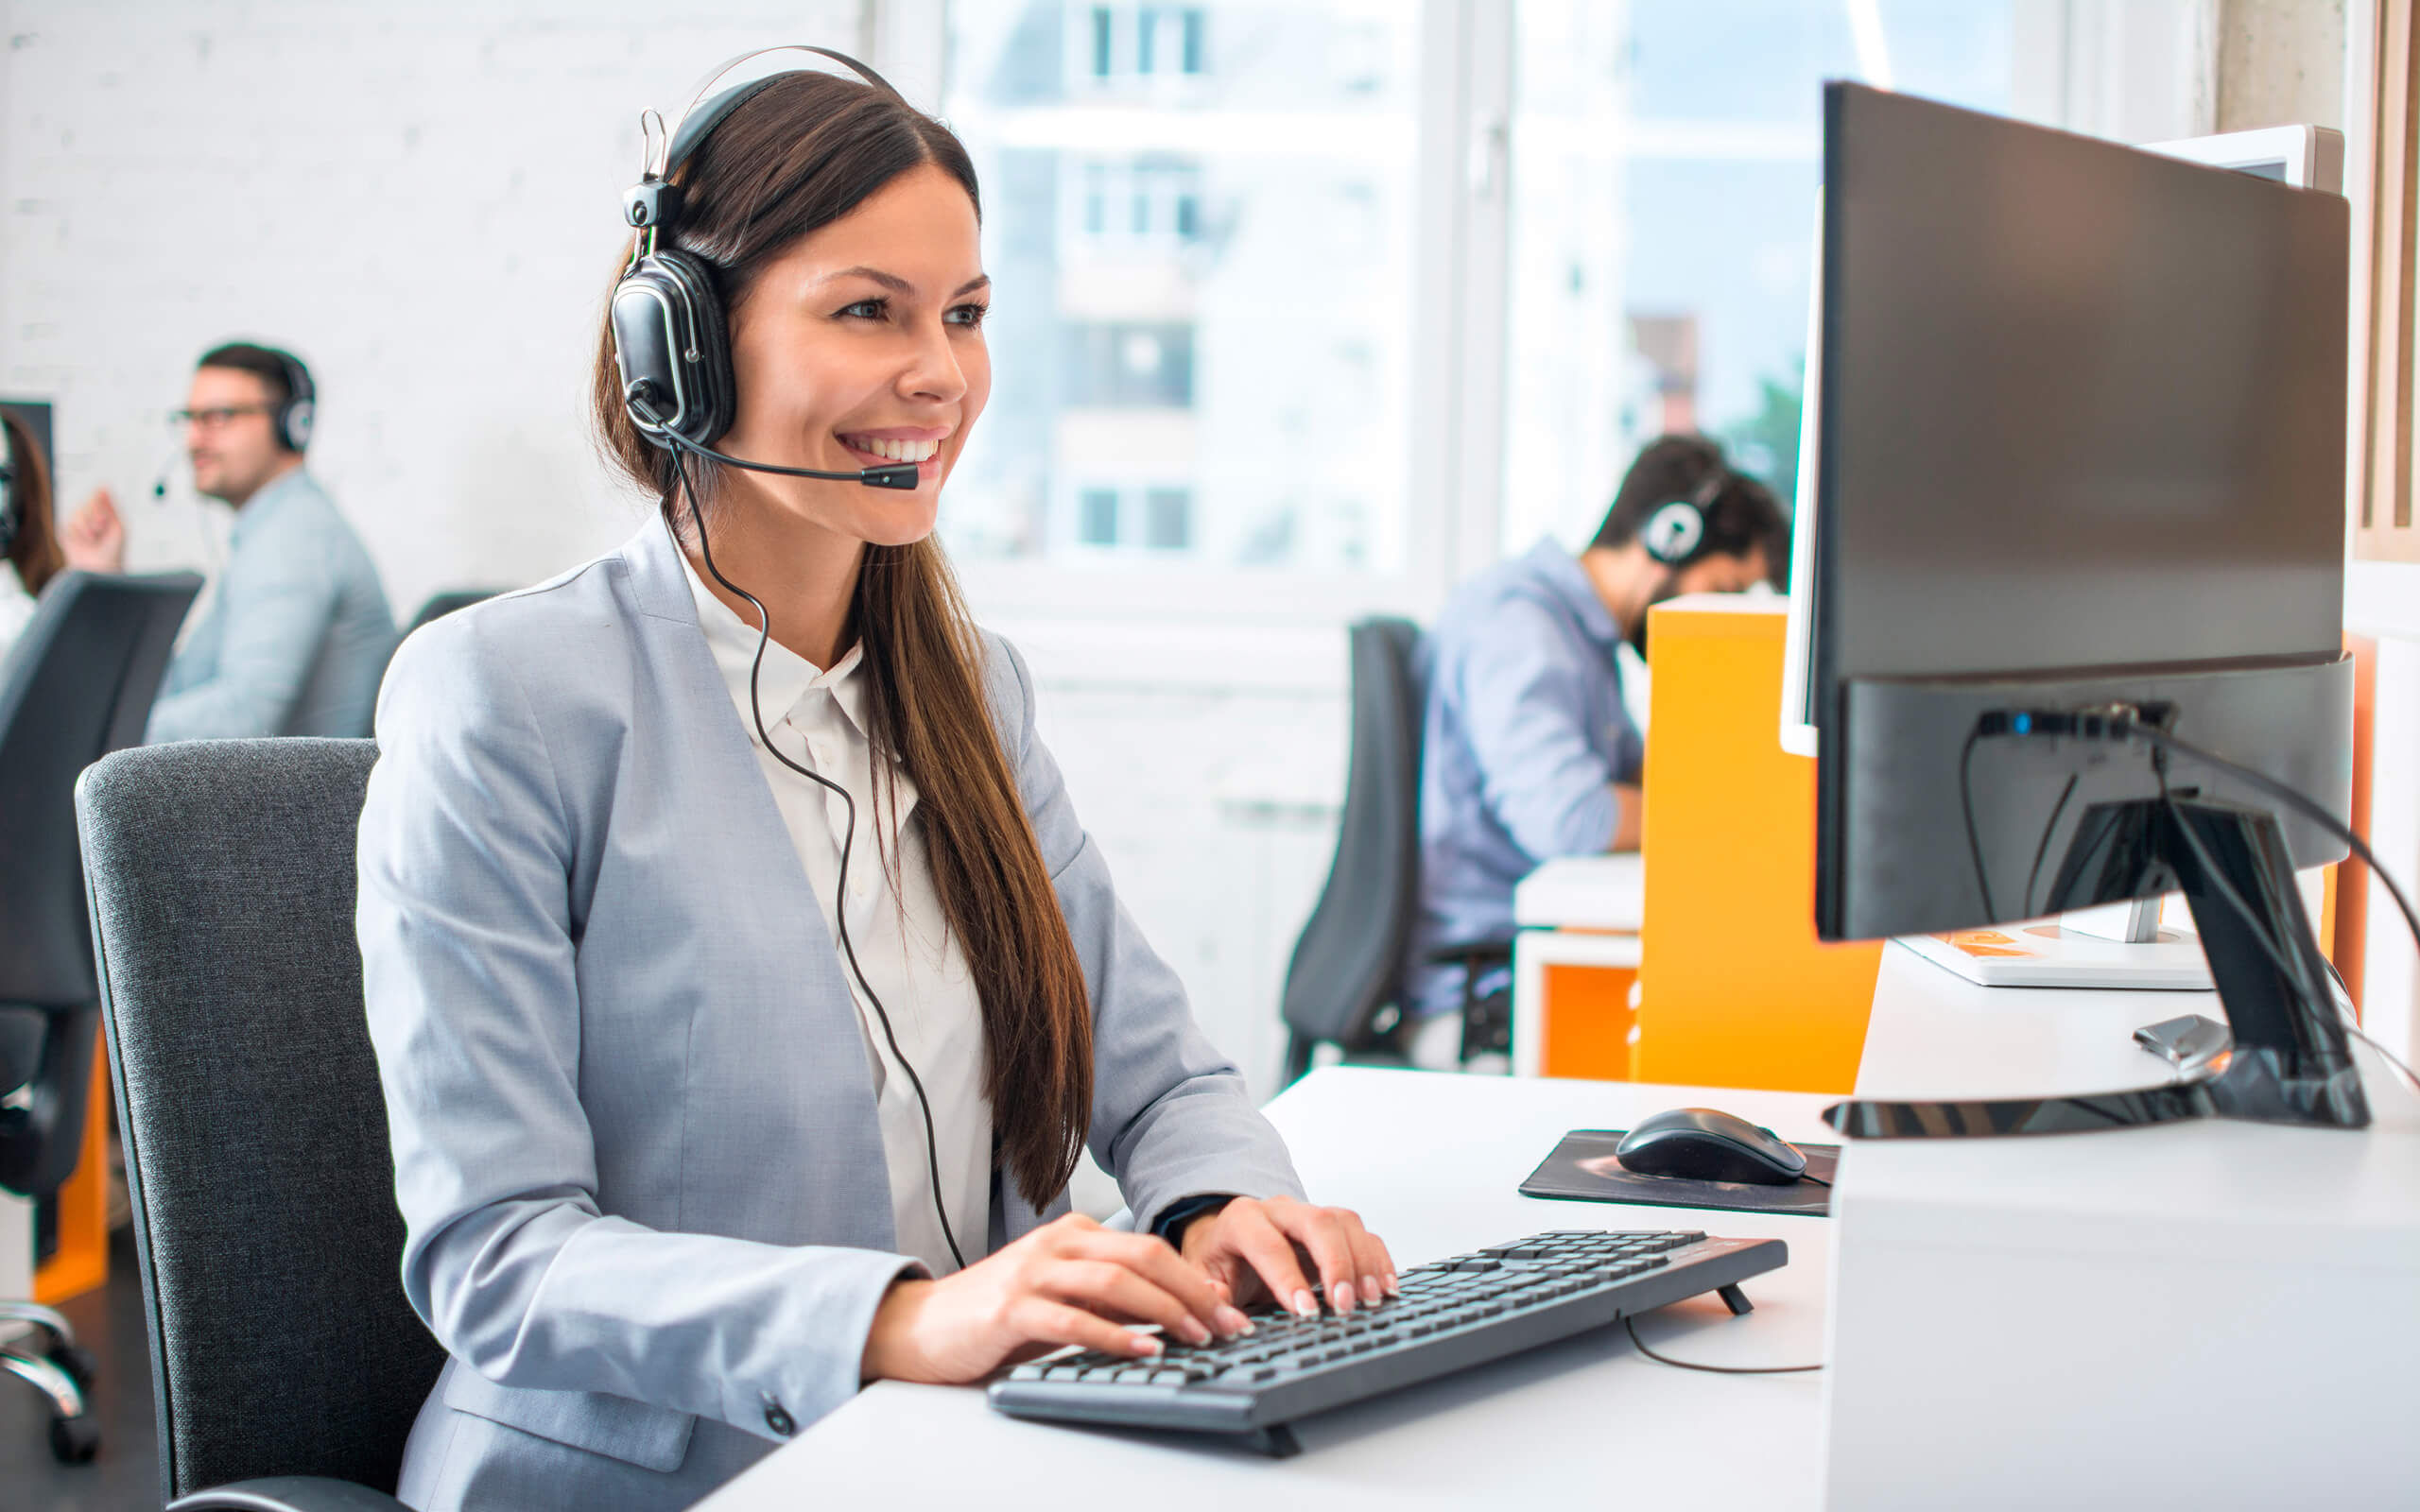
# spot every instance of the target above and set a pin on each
(77, 685)
(1344, 985)
(286, 1366)
(440, 605)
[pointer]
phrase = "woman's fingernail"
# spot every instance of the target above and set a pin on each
(1394, 1287)
(1195, 1331)
(1232, 1322)
(1370, 1289)
(1341, 1296)
(1305, 1305)
(1146, 1344)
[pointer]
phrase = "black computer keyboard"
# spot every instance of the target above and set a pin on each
(1453, 1313)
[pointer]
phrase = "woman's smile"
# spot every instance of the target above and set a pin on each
(899, 443)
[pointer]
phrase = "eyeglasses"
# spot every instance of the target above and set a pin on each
(218, 417)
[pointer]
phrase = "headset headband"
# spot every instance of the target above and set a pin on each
(654, 203)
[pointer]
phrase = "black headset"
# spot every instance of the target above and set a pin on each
(670, 341)
(674, 353)
(1676, 533)
(296, 415)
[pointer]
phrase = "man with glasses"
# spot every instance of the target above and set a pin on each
(296, 632)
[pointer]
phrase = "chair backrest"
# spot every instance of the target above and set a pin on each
(1348, 961)
(255, 1132)
(440, 605)
(76, 686)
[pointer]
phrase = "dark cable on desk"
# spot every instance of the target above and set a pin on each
(1712, 1369)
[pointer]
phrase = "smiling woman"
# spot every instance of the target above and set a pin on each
(697, 1125)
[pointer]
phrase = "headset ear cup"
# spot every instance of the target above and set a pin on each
(294, 419)
(668, 333)
(710, 368)
(1673, 533)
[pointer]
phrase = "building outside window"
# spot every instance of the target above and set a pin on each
(1197, 223)
(1208, 226)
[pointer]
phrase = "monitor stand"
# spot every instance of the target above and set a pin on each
(2290, 1060)
(2122, 946)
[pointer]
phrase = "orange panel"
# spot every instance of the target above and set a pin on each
(81, 1261)
(1588, 1019)
(2350, 912)
(1737, 991)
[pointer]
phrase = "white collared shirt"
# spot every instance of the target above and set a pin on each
(903, 940)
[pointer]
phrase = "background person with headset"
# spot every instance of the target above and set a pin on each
(297, 631)
(1528, 753)
(29, 553)
(735, 960)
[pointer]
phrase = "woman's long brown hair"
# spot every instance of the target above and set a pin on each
(799, 153)
(35, 551)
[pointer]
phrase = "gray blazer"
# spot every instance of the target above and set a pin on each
(633, 1122)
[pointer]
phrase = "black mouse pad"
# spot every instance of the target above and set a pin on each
(1582, 1169)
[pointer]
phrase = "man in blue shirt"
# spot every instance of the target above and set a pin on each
(296, 632)
(1528, 753)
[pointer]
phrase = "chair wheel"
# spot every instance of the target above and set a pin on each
(78, 1362)
(74, 1440)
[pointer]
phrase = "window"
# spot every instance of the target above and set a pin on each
(1320, 322)
(1193, 55)
(1166, 519)
(1202, 280)
(1665, 158)
(1125, 365)
(1098, 524)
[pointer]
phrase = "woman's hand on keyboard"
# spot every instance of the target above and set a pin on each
(1256, 1247)
(1069, 1282)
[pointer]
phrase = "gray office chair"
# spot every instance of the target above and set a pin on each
(1344, 985)
(440, 605)
(286, 1366)
(77, 685)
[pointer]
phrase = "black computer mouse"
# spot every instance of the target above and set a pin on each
(1705, 1145)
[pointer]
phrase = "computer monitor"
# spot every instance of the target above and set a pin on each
(2305, 157)
(2079, 496)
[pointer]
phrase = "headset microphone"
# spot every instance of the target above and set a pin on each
(167, 470)
(896, 475)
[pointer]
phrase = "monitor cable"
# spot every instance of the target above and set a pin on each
(2341, 1000)
(1966, 807)
(848, 836)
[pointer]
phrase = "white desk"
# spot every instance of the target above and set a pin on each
(1956, 1300)
(1577, 911)
(1432, 1161)
(1605, 893)
(2210, 1314)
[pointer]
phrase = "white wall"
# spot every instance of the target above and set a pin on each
(424, 200)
